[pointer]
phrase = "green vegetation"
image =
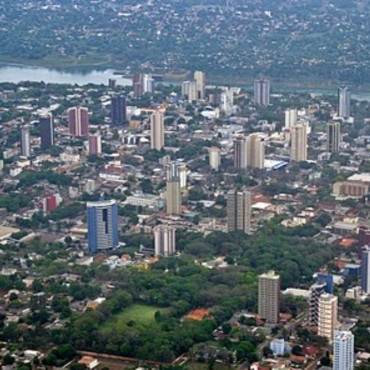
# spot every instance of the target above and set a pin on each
(136, 313)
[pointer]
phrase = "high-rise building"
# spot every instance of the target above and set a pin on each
(25, 141)
(200, 79)
(240, 153)
(137, 84)
(157, 130)
(262, 92)
(239, 205)
(173, 198)
(118, 109)
(214, 157)
(78, 121)
(102, 225)
(365, 269)
(255, 151)
(313, 303)
(343, 348)
(46, 131)
(95, 147)
(328, 315)
(227, 101)
(164, 240)
(298, 143)
(332, 136)
(344, 102)
(269, 297)
(148, 83)
(291, 118)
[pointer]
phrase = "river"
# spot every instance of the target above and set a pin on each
(17, 73)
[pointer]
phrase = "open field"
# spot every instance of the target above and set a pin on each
(140, 314)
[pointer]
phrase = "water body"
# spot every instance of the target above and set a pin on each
(18, 73)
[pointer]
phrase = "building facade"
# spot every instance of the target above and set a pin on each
(200, 80)
(261, 92)
(78, 121)
(214, 157)
(269, 297)
(240, 153)
(25, 141)
(46, 131)
(344, 102)
(298, 143)
(316, 290)
(328, 315)
(343, 348)
(365, 269)
(164, 240)
(102, 225)
(94, 143)
(239, 205)
(291, 117)
(173, 196)
(255, 146)
(118, 109)
(332, 136)
(157, 130)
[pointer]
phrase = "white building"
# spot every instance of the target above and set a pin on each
(164, 240)
(214, 157)
(328, 315)
(343, 348)
(291, 117)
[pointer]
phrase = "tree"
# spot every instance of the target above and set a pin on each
(8, 360)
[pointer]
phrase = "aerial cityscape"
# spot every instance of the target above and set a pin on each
(198, 209)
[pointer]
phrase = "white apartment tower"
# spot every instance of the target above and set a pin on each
(25, 141)
(157, 130)
(291, 118)
(200, 79)
(343, 348)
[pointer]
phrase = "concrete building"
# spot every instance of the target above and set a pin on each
(118, 109)
(240, 153)
(269, 297)
(164, 240)
(78, 121)
(328, 315)
(173, 196)
(262, 92)
(178, 170)
(227, 101)
(200, 79)
(291, 117)
(102, 225)
(343, 348)
(365, 269)
(277, 346)
(316, 290)
(214, 157)
(255, 147)
(353, 189)
(46, 131)
(298, 143)
(344, 102)
(157, 130)
(94, 143)
(239, 206)
(332, 136)
(25, 141)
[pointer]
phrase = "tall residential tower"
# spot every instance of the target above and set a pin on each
(239, 204)
(269, 297)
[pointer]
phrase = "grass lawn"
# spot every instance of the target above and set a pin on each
(140, 314)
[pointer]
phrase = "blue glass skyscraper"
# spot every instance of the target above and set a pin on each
(102, 225)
